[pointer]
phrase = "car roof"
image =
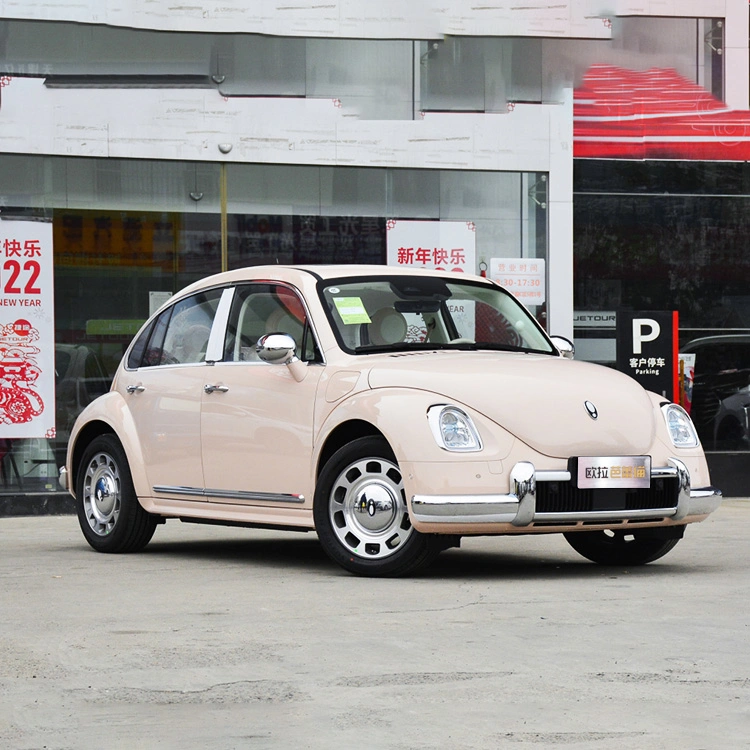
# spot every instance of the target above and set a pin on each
(730, 338)
(295, 273)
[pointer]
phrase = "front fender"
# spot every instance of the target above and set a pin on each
(400, 414)
(110, 410)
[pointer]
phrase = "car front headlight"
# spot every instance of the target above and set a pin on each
(680, 426)
(453, 429)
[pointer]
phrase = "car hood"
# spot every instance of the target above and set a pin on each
(539, 399)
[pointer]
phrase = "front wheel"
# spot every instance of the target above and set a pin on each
(619, 547)
(111, 518)
(361, 515)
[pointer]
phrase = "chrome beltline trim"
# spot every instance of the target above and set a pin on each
(258, 497)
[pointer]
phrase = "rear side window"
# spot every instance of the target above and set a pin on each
(135, 358)
(179, 335)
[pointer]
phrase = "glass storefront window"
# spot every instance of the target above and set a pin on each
(673, 236)
(476, 74)
(126, 235)
(338, 215)
(129, 234)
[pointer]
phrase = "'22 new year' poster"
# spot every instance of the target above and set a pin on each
(27, 330)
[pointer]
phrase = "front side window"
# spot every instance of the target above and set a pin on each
(258, 309)
(179, 335)
(402, 313)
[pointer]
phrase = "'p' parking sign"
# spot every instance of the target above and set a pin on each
(647, 345)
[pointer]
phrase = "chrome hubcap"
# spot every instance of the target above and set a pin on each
(368, 508)
(102, 494)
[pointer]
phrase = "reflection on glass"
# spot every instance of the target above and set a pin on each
(128, 234)
(672, 236)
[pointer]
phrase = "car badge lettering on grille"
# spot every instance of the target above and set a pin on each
(591, 409)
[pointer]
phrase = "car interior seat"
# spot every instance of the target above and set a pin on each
(387, 326)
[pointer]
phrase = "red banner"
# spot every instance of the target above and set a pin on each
(654, 114)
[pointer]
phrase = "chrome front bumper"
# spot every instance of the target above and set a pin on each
(519, 506)
(62, 478)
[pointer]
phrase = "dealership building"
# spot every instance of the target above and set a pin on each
(602, 143)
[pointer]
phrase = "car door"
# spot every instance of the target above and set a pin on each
(257, 420)
(162, 387)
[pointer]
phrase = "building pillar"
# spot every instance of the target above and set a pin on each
(736, 55)
(560, 226)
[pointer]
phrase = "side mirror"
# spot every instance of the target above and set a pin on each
(564, 346)
(278, 349)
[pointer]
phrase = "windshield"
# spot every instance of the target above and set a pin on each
(405, 313)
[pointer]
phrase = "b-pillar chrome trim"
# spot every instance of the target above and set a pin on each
(518, 507)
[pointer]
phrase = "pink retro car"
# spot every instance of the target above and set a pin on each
(391, 411)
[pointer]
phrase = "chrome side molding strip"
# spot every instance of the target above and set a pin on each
(175, 490)
(239, 495)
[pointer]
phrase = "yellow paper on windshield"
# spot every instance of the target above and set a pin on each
(351, 310)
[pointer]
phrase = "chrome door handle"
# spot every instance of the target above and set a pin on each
(135, 388)
(211, 388)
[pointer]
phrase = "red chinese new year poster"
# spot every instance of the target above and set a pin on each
(27, 330)
(442, 245)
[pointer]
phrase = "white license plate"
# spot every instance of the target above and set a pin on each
(602, 472)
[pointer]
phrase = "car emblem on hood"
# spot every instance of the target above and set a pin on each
(591, 409)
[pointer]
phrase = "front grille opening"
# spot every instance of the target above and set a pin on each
(565, 497)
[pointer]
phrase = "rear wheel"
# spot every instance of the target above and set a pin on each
(619, 547)
(111, 518)
(361, 515)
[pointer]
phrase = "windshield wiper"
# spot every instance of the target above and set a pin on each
(487, 346)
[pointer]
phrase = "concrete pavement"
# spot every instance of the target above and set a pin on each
(228, 638)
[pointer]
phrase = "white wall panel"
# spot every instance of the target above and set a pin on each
(192, 124)
(385, 19)
(539, 18)
(682, 8)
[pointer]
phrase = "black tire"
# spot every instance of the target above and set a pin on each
(619, 547)
(111, 518)
(369, 535)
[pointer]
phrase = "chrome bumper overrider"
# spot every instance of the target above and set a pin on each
(519, 506)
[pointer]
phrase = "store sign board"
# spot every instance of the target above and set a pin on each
(594, 319)
(156, 300)
(522, 277)
(647, 349)
(441, 245)
(116, 327)
(27, 330)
